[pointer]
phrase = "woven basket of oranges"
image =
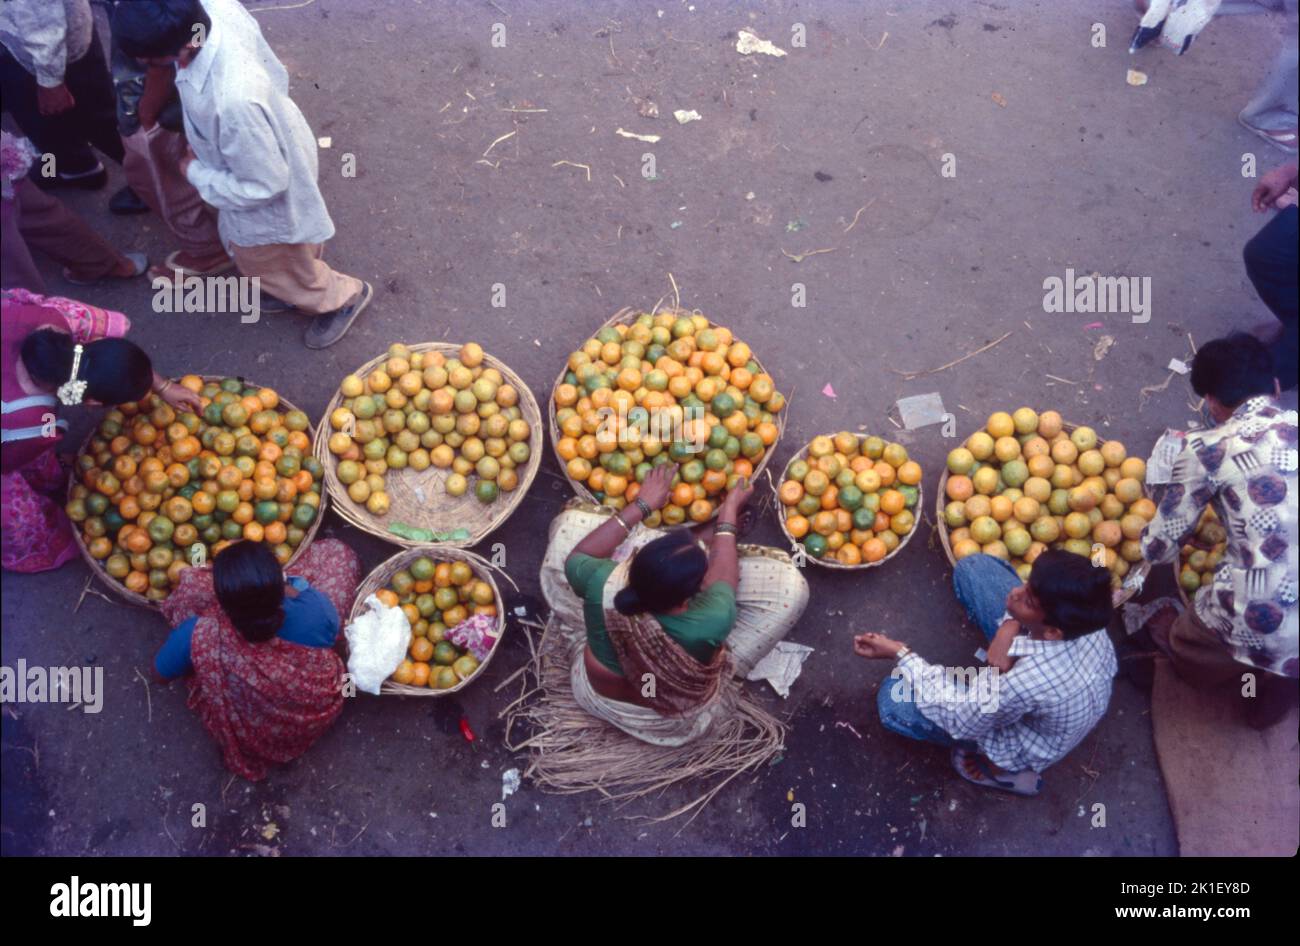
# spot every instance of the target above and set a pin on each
(456, 613)
(430, 436)
(155, 490)
(658, 387)
(1029, 481)
(849, 501)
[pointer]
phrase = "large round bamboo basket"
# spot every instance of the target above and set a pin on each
(628, 314)
(1142, 568)
(379, 578)
(830, 562)
(419, 498)
(131, 597)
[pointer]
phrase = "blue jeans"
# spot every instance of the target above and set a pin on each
(982, 584)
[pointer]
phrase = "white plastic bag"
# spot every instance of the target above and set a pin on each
(377, 642)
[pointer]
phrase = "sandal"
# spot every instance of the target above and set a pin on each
(1027, 783)
(1283, 139)
(168, 268)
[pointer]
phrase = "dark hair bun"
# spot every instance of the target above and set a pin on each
(628, 602)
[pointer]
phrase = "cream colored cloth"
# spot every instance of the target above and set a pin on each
(295, 273)
(640, 721)
(769, 601)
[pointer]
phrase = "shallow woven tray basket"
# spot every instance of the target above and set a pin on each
(628, 315)
(284, 407)
(436, 511)
(1126, 593)
(830, 562)
(378, 578)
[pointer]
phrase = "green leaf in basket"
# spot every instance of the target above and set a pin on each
(417, 534)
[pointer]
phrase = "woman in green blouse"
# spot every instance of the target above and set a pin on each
(668, 625)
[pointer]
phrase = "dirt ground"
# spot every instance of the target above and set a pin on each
(1059, 163)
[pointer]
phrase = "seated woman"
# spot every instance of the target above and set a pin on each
(258, 649)
(57, 352)
(667, 626)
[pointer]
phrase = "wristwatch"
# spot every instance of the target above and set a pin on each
(902, 652)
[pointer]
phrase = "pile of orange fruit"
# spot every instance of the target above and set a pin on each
(664, 388)
(1023, 484)
(435, 596)
(158, 490)
(1197, 562)
(852, 499)
(422, 409)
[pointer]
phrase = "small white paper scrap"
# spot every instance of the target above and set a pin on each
(683, 116)
(649, 139)
(325, 142)
(781, 666)
(1179, 366)
(748, 42)
(509, 783)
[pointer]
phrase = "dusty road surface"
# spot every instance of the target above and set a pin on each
(1058, 164)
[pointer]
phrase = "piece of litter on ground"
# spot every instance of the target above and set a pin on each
(325, 142)
(781, 666)
(794, 226)
(749, 42)
(649, 139)
(1179, 366)
(828, 390)
(683, 116)
(1102, 347)
(997, 98)
(789, 796)
(1092, 325)
(646, 108)
(1134, 77)
(750, 195)
(509, 783)
(981, 655)
(921, 410)
(674, 225)
(841, 724)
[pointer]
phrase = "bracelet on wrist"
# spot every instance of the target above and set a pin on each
(646, 511)
(902, 652)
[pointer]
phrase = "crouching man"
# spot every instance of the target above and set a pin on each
(1048, 679)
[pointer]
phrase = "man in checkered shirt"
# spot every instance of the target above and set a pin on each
(1048, 679)
(1245, 620)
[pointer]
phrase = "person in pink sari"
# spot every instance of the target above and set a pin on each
(49, 342)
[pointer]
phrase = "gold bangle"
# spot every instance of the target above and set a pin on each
(619, 519)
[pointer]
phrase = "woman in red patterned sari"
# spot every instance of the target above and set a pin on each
(265, 678)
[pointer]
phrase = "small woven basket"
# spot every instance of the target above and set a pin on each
(380, 577)
(831, 562)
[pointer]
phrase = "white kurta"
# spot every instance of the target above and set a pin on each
(256, 155)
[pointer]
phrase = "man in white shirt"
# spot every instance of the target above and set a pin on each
(1048, 679)
(55, 82)
(254, 156)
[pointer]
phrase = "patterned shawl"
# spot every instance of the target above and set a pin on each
(263, 703)
(682, 684)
